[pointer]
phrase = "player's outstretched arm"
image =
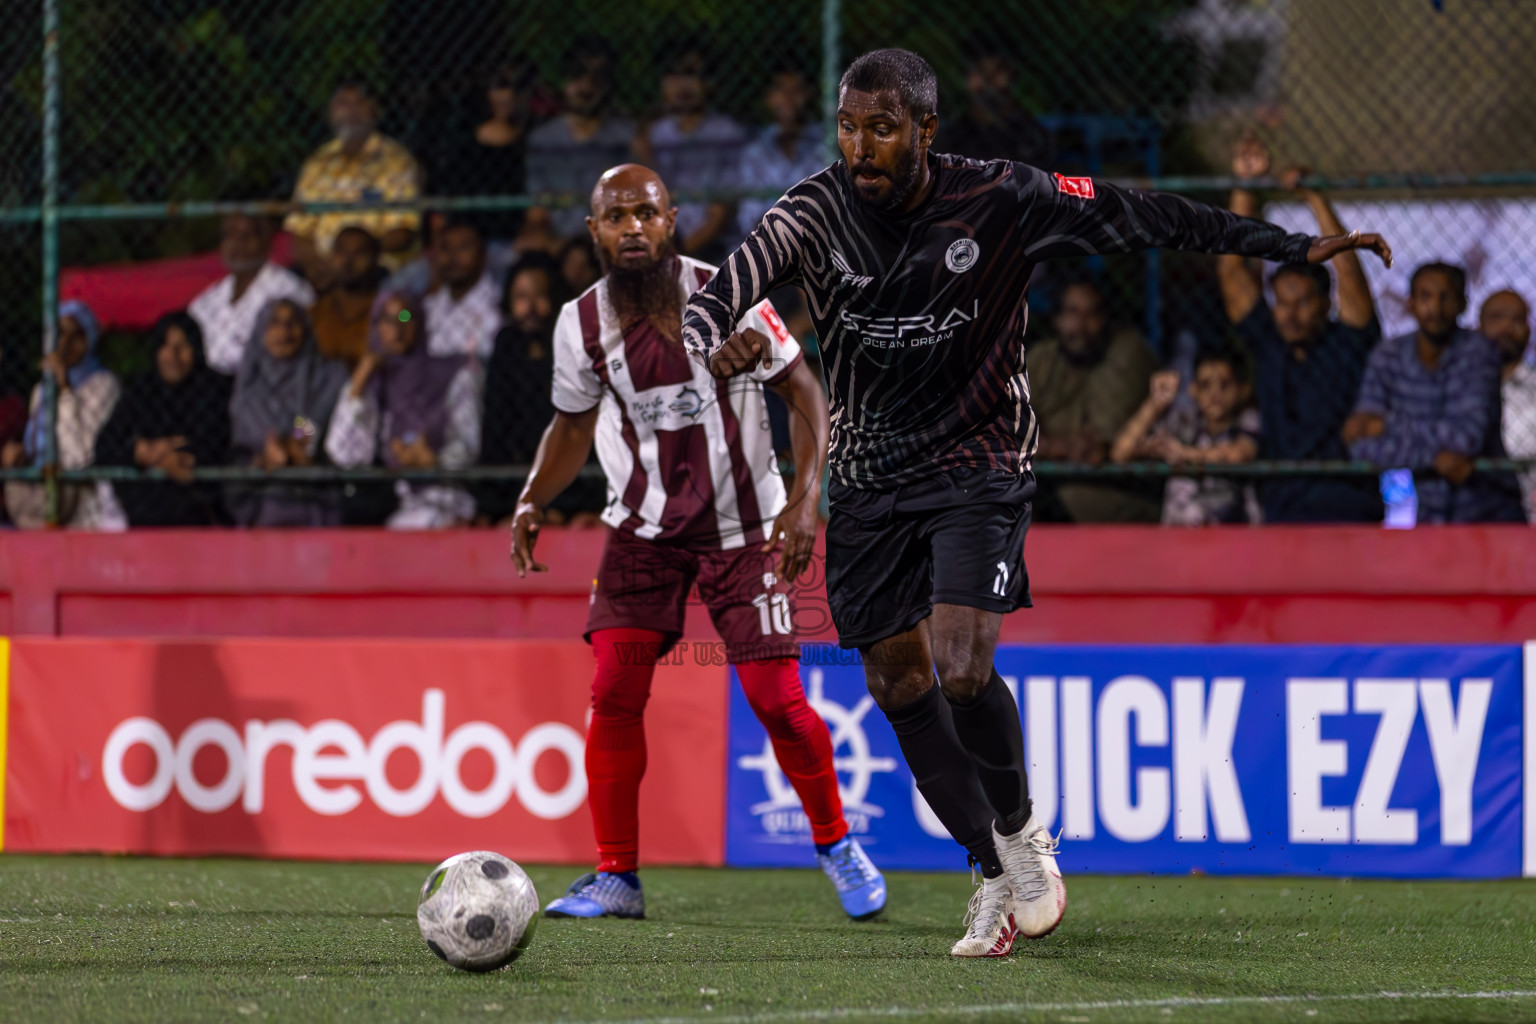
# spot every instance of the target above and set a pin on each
(767, 258)
(563, 451)
(1356, 307)
(808, 434)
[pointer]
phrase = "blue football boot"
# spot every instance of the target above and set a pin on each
(860, 885)
(600, 895)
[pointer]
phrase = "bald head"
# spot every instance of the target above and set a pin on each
(632, 218)
(1506, 319)
(628, 184)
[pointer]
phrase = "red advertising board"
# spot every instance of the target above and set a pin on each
(378, 750)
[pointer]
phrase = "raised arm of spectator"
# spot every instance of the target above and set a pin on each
(1240, 289)
(1356, 308)
(1131, 442)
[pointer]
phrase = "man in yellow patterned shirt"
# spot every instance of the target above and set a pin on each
(358, 165)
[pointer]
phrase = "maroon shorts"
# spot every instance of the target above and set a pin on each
(645, 585)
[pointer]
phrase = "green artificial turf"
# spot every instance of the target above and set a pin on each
(126, 939)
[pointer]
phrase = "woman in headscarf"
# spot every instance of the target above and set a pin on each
(410, 410)
(284, 394)
(174, 417)
(87, 394)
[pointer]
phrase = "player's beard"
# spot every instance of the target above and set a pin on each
(904, 179)
(647, 293)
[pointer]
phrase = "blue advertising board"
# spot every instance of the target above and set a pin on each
(1395, 761)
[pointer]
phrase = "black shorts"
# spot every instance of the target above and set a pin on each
(957, 538)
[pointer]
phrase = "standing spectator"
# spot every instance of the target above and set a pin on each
(1309, 366)
(1430, 401)
(174, 418)
(578, 264)
(284, 394)
(1505, 319)
(87, 394)
(13, 405)
(695, 149)
(358, 165)
(491, 159)
(340, 315)
(1223, 429)
(226, 310)
(993, 125)
(410, 410)
(463, 310)
(785, 152)
(1085, 383)
(517, 379)
(568, 154)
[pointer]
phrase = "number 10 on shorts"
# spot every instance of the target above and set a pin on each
(773, 613)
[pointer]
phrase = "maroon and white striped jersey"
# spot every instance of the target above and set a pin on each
(689, 459)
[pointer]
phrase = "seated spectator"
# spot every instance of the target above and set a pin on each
(358, 165)
(578, 264)
(410, 409)
(993, 126)
(1223, 430)
(784, 153)
(1085, 382)
(1430, 401)
(1505, 319)
(463, 314)
(1308, 366)
(87, 394)
(226, 310)
(340, 315)
(567, 155)
(695, 149)
(490, 159)
(284, 394)
(174, 418)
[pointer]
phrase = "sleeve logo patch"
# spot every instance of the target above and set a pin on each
(1080, 187)
(771, 318)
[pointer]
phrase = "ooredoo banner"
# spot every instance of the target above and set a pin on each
(341, 750)
(1387, 761)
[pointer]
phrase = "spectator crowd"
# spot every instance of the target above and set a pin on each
(423, 341)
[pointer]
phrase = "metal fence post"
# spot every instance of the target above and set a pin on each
(50, 225)
(831, 72)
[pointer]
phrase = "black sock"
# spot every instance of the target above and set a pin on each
(946, 776)
(989, 730)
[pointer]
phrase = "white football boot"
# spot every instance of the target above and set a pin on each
(990, 925)
(1029, 864)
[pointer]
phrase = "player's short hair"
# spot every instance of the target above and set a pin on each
(1314, 272)
(900, 71)
(1457, 276)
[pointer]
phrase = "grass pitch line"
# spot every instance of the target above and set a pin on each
(1170, 1002)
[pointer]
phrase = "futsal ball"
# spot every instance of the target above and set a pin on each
(478, 911)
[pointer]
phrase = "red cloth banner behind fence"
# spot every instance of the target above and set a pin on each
(340, 750)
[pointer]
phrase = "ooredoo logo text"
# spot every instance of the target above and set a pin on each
(330, 759)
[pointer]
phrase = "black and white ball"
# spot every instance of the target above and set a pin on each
(478, 911)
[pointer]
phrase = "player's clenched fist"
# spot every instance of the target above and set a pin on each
(741, 352)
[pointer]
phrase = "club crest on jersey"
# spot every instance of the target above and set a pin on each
(687, 403)
(1080, 187)
(857, 281)
(962, 256)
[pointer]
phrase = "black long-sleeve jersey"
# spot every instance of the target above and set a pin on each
(920, 316)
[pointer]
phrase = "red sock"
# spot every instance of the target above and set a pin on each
(800, 742)
(626, 660)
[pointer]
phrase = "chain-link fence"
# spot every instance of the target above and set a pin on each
(212, 158)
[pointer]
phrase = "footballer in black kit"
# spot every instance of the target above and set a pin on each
(915, 266)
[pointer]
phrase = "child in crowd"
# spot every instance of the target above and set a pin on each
(1222, 429)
